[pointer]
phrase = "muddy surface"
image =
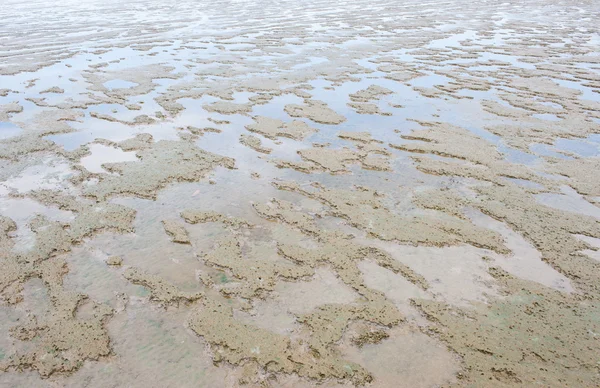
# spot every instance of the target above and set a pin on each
(292, 194)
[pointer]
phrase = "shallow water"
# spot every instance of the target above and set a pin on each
(393, 171)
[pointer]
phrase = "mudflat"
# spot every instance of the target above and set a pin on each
(297, 194)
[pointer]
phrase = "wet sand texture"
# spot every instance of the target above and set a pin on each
(289, 194)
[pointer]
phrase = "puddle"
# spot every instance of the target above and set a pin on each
(594, 242)
(414, 360)
(457, 275)
(525, 261)
(50, 175)
(546, 116)
(569, 201)
(583, 148)
(8, 130)
(101, 154)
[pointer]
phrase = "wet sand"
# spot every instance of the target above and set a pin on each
(291, 194)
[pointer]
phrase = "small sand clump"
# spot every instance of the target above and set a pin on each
(176, 230)
(255, 143)
(115, 261)
(274, 128)
(315, 110)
